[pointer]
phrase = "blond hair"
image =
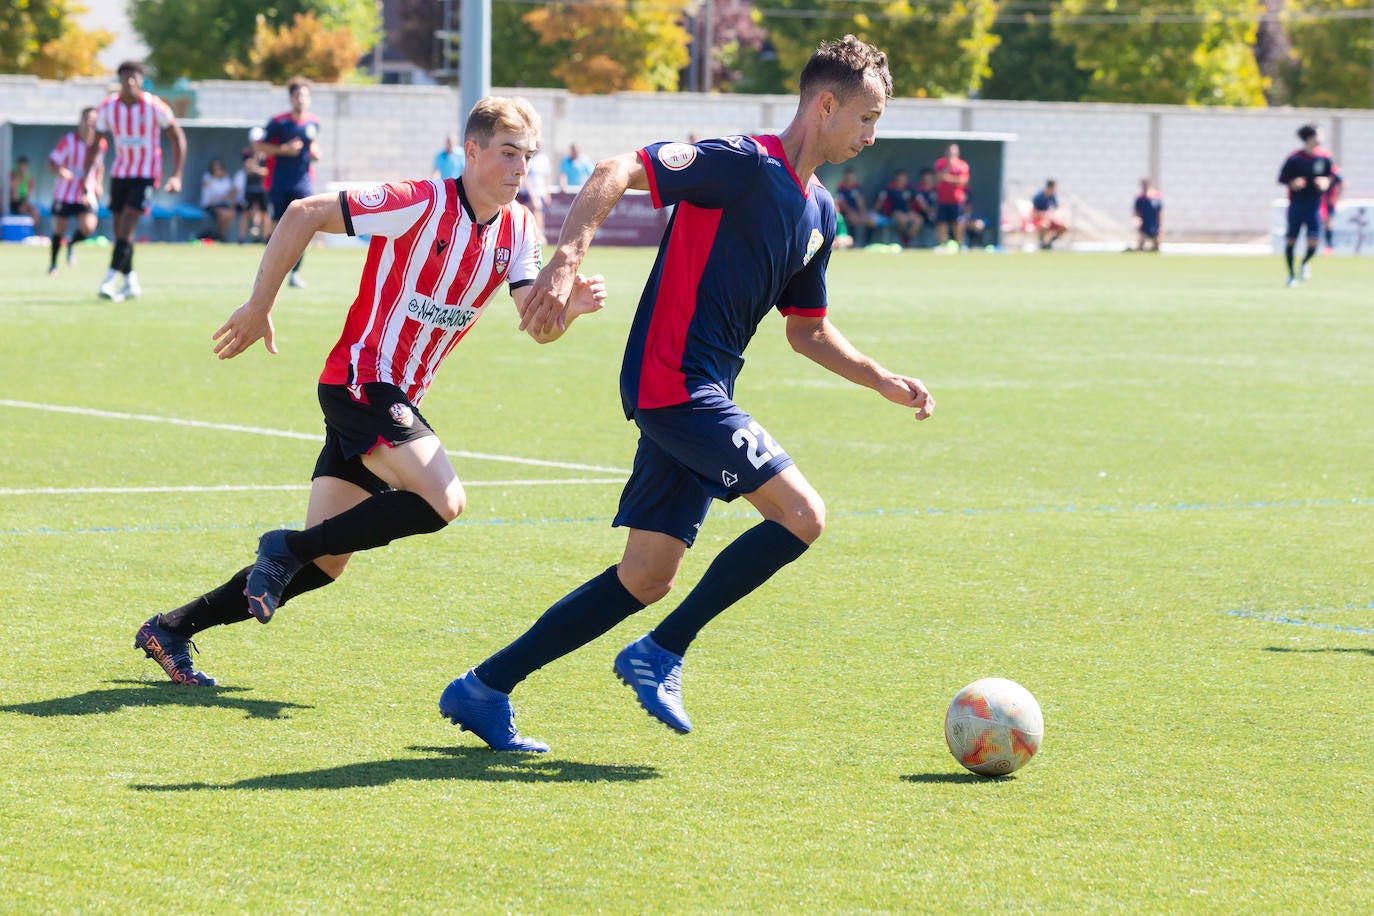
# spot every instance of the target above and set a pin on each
(500, 114)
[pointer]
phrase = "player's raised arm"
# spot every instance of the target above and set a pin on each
(543, 310)
(252, 321)
(822, 343)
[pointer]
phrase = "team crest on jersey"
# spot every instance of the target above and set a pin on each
(813, 245)
(502, 260)
(403, 415)
(372, 198)
(676, 156)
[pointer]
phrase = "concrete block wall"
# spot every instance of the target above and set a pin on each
(1216, 167)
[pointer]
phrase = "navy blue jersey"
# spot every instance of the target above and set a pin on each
(287, 174)
(746, 237)
(1148, 207)
(1302, 164)
(1044, 202)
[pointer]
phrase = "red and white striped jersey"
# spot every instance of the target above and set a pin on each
(137, 131)
(430, 271)
(70, 154)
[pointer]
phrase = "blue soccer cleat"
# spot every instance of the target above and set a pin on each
(486, 712)
(172, 652)
(271, 573)
(656, 676)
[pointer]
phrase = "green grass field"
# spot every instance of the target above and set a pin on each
(1147, 495)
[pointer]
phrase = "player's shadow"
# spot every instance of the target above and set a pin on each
(957, 778)
(1347, 649)
(443, 763)
(145, 695)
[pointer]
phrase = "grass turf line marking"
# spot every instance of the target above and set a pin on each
(1316, 625)
(241, 488)
(286, 434)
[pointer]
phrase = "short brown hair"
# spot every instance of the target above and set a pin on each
(843, 67)
(130, 66)
(298, 82)
(495, 114)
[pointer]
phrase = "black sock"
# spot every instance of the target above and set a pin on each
(56, 247)
(577, 618)
(748, 562)
(128, 267)
(117, 256)
(227, 603)
(1288, 256)
(374, 522)
(1311, 252)
(299, 262)
(77, 236)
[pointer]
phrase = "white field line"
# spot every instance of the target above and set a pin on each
(238, 488)
(287, 434)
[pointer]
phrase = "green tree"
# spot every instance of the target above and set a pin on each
(612, 45)
(1332, 54)
(206, 39)
(41, 38)
(518, 59)
(306, 48)
(1193, 52)
(934, 47)
(1028, 64)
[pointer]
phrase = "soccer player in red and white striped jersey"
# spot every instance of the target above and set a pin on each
(70, 195)
(439, 250)
(137, 120)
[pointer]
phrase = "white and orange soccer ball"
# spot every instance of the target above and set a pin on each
(994, 726)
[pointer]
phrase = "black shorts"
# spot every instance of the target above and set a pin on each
(18, 206)
(131, 194)
(354, 426)
(253, 199)
(67, 208)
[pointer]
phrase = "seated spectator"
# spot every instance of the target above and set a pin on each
(849, 201)
(218, 198)
(21, 187)
(1045, 216)
(573, 170)
(925, 201)
(896, 201)
(1149, 216)
(973, 227)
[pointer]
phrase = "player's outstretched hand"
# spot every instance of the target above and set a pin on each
(910, 392)
(588, 295)
(245, 327)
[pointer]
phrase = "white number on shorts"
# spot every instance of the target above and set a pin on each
(751, 437)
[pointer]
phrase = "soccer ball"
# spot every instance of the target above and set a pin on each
(994, 726)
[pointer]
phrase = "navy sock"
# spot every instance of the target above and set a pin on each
(1311, 252)
(374, 522)
(227, 604)
(577, 618)
(749, 561)
(1288, 256)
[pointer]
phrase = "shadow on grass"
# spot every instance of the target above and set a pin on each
(143, 695)
(958, 778)
(446, 763)
(1348, 649)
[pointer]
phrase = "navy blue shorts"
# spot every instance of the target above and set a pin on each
(1302, 214)
(689, 454)
(282, 199)
(353, 427)
(947, 213)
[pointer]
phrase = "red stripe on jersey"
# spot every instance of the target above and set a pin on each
(70, 154)
(137, 132)
(433, 270)
(389, 301)
(661, 382)
(648, 162)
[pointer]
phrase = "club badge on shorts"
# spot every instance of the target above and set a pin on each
(403, 415)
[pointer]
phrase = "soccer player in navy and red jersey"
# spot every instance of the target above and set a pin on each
(136, 119)
(439, 251)
(291, 150)
(1307, 174)
(750, 235)
(70, 194)
(1149, 216)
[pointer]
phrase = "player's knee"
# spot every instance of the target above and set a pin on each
(806, 520)
(333, 566)
(451, 503)
(646, 584)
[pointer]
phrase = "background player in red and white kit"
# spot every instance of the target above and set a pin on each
(751, 234)
(136, 120)
(439, 251)
(71, 196)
